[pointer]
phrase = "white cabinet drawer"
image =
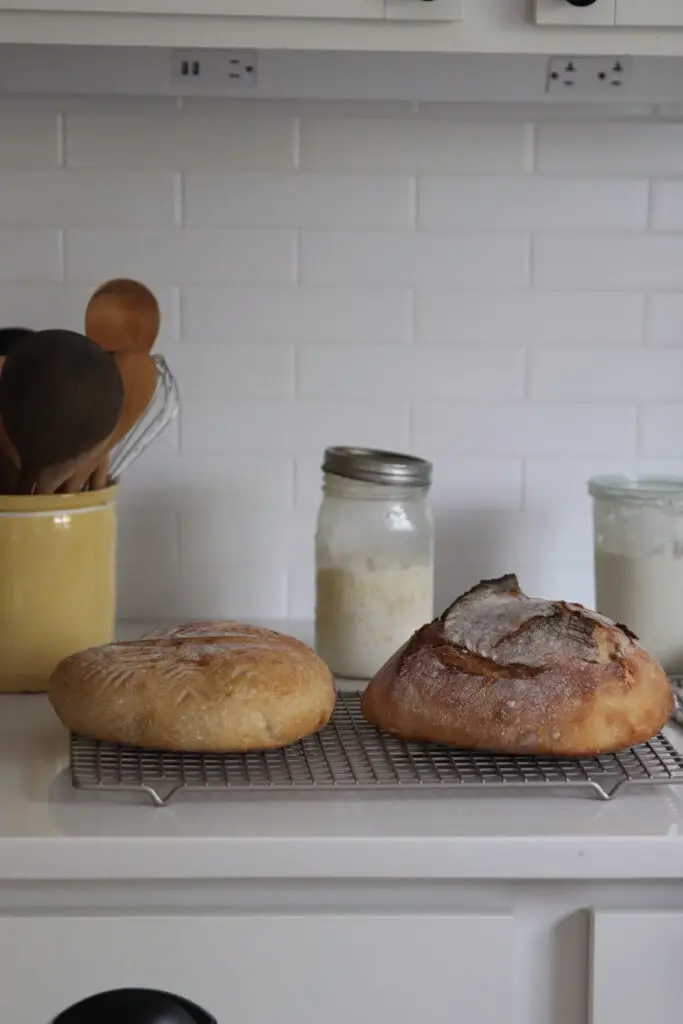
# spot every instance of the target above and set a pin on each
(650, 13)
(267, 969)
(636, 968)
(346, 9)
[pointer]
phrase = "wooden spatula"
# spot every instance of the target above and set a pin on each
(60, 396)
(139, 374)
(123, 316)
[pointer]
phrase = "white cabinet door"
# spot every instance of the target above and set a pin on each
(650, 13)
(267, 969)
(346, 9)
(636, 969)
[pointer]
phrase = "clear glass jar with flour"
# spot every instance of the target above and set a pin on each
(374, 557)
(638, 529)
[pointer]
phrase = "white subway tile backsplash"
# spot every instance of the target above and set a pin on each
(30, 255)
(233, 371)
(566, 375)
(522, 204)
(383, 316)
(192, 256)
(180, 141)
(31, 139)
(182, 481)
(149, 530)
(616, 148)
(661, 432)
(458, 261)
(415, 146)
(298, 201)
(188, 590)
(498, 288)
(500, 540)
(87, 198)
(532, 319)
(281, 427)
(667, 205)
(608, 261)
(665, 319)
(487, 428)
(260, 535)
(477, 483)
(418, 374)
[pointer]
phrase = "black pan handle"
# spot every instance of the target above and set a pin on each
(134, 1006)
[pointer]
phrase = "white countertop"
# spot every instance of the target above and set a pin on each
(48, 831)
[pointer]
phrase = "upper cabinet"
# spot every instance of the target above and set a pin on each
(317, 10)
(225, 8)
(500, 27)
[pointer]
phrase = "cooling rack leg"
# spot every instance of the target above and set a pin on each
(607, 793)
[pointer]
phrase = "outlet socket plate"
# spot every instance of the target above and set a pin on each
(558, 12)
(213, 72)
(588, 77)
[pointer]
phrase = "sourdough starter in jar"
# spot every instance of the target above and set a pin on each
(639, 560)
(374, 558)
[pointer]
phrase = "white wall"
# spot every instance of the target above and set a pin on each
(499, 290)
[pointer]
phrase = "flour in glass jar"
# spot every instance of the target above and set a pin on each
(365, 612)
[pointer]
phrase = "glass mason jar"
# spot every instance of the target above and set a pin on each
(374, 558)
(638, 532)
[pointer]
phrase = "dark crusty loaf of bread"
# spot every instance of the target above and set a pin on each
(503, 672)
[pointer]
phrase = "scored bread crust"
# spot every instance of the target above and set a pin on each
(503, 672)
(215, 687)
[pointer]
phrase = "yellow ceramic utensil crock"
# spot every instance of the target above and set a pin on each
(57, 581)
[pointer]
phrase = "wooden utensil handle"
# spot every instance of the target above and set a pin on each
(100, 476)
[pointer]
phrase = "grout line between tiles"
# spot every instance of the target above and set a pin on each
(296, 143)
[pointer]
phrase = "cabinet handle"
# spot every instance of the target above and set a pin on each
(581, 3)
(134, 1006)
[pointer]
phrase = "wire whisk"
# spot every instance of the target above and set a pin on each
(162, 410)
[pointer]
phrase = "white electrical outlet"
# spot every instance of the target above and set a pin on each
(558, 12)
(597, 77)
(214, 72)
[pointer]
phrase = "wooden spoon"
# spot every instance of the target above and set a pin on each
(11, 336)
(139, 374)
(60, 396)
(9, 460)
(123, 316)
(52, 479)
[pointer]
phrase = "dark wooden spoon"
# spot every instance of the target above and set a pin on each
(123, 316)
(60, 396)
(140, 375)
(11, 336)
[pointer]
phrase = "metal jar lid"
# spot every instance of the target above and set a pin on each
(378, 467)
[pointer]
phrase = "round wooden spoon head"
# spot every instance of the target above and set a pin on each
(11, 336)
(60, 395)
(139, 374)
(123, 316)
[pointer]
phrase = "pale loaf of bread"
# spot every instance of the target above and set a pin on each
(212, 686)
(503, 672)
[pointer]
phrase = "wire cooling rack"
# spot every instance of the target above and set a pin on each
(350, 754)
